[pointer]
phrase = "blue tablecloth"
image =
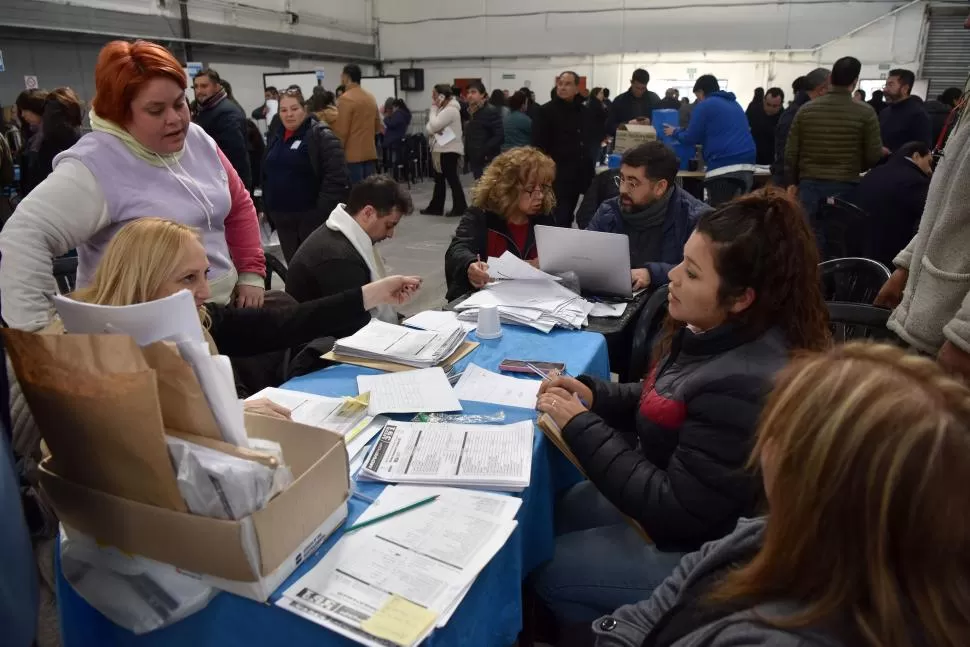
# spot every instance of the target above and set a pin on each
(490, 615)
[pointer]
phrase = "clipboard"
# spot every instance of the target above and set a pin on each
(464, 349)
(552, 431)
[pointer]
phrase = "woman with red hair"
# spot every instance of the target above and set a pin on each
(144, 158)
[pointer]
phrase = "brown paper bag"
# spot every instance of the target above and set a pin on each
(96, 404)
(184, 407)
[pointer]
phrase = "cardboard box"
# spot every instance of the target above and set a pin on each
(250, 557)
(630, 135)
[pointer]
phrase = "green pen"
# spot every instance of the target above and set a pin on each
(407, 508)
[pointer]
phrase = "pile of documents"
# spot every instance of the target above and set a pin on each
(426, 390)
(542, 304)
(348, 417)
(394, 581)
(490, 457)
(387, 342)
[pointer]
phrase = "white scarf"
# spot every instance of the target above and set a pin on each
(342, 221)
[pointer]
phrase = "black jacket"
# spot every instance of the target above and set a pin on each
(563, 131)
(471, 243)
(602, 188)
(226, 123)
(327, 264)
(782, 128)
(670, 452)
(598, 116)
(893, 195)
(939, 112)
(626, 107)
(326, 155)
(244, 332)
(484, 134)
(763, 128)
(904, 122)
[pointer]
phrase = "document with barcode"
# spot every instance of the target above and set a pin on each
(488, 457)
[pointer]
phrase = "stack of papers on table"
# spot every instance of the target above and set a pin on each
(425, 390)
(488, 457)
(395, 581)
(509, 266)
(438, 320)
(348, 417)
(541, 304)
(387, 342)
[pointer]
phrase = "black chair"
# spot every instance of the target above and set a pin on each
(65, 273)
(844, 226)
(649, 324)
(273, 266)
(858, 321)
(852, 280)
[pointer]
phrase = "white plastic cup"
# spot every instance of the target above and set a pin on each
(489, 325)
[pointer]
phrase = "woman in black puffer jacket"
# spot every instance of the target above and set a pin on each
(669, 453)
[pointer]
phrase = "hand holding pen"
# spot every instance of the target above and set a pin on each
(562, 396)
(478, 273)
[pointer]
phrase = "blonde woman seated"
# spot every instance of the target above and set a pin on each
(511, 198)
(152, 258)
(864, 451)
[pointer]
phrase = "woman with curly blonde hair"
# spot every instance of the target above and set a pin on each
(512, 197)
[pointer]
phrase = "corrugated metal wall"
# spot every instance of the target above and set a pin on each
(946, 62)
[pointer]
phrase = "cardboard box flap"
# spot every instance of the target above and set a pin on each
(191, 542)
(321, 483)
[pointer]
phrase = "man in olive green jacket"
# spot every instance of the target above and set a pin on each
(832, 141)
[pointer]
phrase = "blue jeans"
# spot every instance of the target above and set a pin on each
(812, 193)
(359, 171)
(600, 563)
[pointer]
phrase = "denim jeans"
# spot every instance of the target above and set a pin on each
(600, 562)
(359, 171)
(812, 193)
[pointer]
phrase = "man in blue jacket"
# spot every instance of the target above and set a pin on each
(719, 125)
(656, 214)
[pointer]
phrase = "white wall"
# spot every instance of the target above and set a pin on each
(422, 28)
(348, 20)
(893, 41)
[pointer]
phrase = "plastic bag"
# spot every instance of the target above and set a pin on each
(462, 418)
(134, 592)
(216, 484)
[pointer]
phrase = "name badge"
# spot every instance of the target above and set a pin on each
(295, 145)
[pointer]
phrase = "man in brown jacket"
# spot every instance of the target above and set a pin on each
(358, 122)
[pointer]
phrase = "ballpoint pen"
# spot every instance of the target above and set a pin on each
(549, 376)
(394, 513)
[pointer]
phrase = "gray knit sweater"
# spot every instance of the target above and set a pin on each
(936, 302)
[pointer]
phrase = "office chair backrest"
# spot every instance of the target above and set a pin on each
(852, 280)
(65, 273)
(846, 228)
(649, 324)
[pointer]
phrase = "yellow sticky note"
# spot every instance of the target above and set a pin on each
(399, 621)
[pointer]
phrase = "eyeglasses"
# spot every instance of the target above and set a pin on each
(544, 189)
(619, 181)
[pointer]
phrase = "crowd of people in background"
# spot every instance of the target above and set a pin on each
(857, 449)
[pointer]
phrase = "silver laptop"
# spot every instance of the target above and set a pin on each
(600, 260)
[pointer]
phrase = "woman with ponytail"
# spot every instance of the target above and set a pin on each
(669, 452)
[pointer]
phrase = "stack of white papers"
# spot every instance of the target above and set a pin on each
(508, 266)
(345, 416)
(438, 320)
(478, 385)
(395, 581)
(387, 342)
(174, 318)
(489, 457)
(540, 304)
(425, 390)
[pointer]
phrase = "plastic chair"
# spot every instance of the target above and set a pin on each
(273, 266)
(858, 321)
(852, 280)
(845, 227)
(65, 273)
(649, 323)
